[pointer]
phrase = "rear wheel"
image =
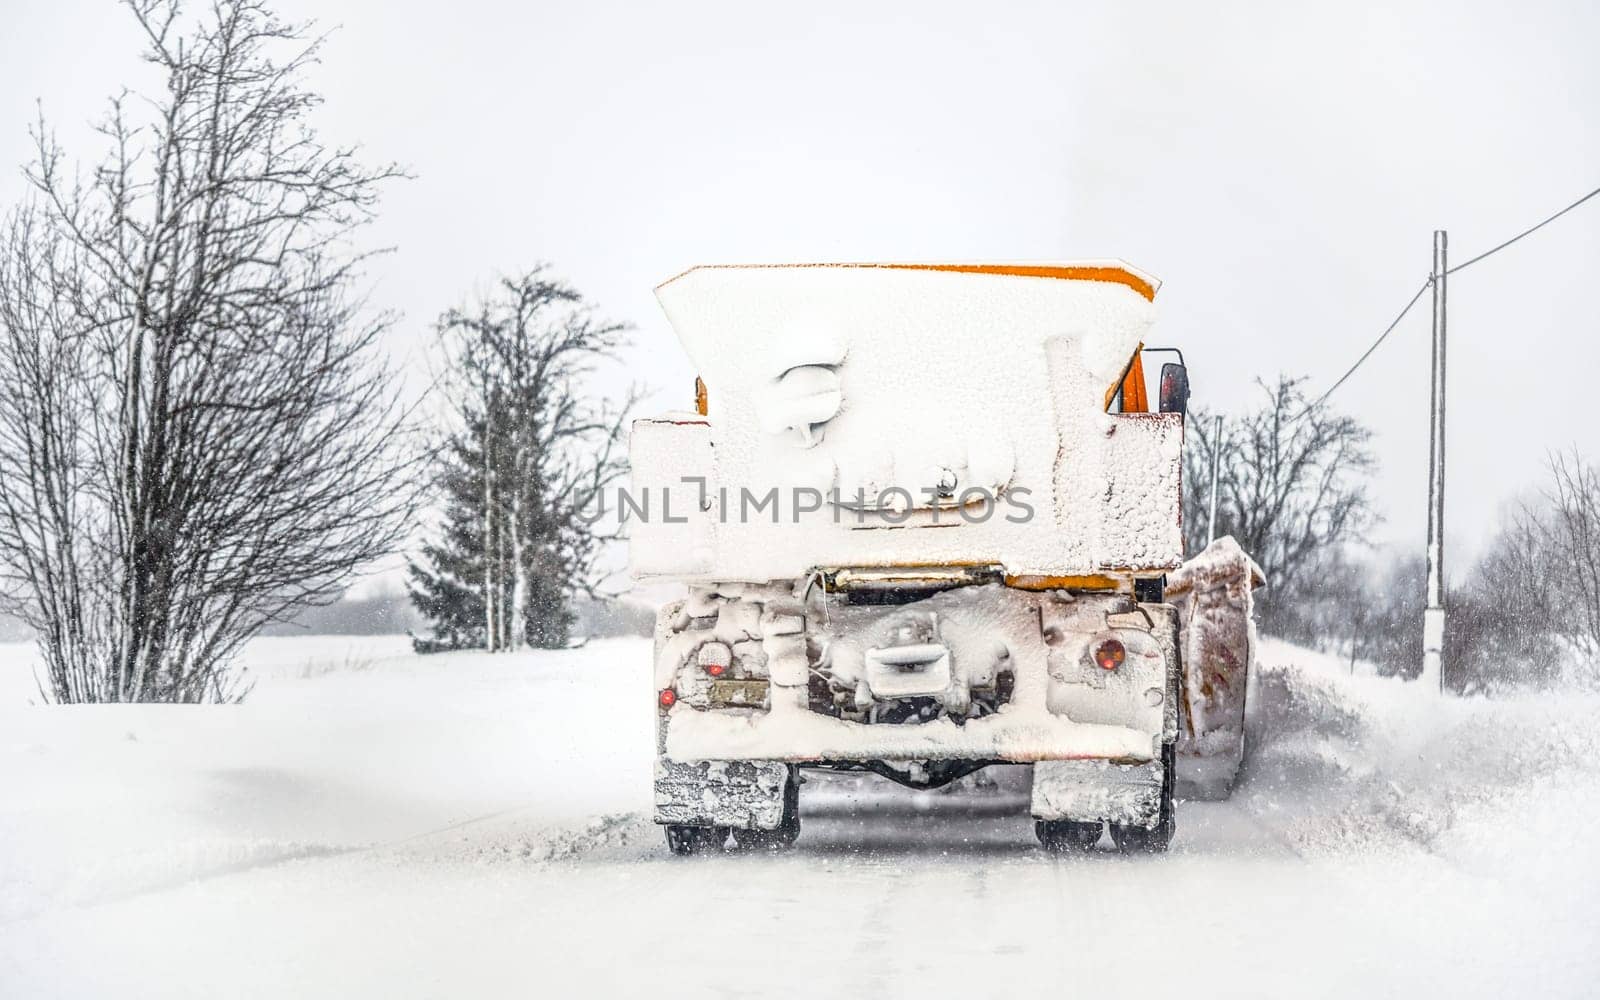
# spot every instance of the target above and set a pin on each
(788, 830)
(1063, 835)
(695, 839)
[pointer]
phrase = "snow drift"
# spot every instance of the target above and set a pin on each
(377, 824)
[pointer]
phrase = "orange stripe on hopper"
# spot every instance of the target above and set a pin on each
(1072, 272)
(1115, 275)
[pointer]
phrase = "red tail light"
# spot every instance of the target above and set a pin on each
(667, 697)
(715, 658)
(1110, 654)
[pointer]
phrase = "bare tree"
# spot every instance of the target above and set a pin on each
(1291, 489)
(1555, 549)
(195, 436)
(1517, 617)
(1529, 611)
(523, 469)
(1503, 625)
(1383, 609)
(1573, 533)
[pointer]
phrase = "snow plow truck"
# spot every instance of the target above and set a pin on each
(926, 516)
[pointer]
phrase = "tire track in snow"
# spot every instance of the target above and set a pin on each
(266, 855)
(568, 844)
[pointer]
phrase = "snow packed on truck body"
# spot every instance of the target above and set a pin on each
(924, 514)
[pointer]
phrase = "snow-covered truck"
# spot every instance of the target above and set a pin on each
(924, 513)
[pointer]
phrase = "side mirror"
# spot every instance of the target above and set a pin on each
(1174, 388)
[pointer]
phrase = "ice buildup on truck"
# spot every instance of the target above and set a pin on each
(925, 513)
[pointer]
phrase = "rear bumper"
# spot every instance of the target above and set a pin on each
(1012, 735)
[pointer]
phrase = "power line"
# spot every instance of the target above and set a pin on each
(1459, 267)
(1525, 232)
(1368, 353)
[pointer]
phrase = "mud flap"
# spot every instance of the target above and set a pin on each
(1213, 594)
(746, 795)
(1088, 790)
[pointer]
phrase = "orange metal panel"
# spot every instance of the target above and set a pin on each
(1134, 398)
(1093, 581)
(1069, 272)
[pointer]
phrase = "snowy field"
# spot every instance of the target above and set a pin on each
(376, 824)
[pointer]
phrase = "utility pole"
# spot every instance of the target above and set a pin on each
(1216, 456)
(1433, 616)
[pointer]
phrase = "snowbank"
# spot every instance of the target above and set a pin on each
(345, 743)
(1339, 762)
(470, 825)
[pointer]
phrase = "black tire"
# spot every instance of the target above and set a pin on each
(685, 840)
(1066, 835)
(1156, 839)
(788, 831)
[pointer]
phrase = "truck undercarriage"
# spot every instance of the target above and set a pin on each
(757, 682)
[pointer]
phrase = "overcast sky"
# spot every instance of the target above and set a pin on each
(1281, 172)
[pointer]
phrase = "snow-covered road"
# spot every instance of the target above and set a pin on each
(371, 823)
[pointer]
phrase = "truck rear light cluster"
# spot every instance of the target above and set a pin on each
(715, 658)
(1110, 654)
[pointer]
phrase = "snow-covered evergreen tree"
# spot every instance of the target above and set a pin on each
(446, 583)
(531, 449)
